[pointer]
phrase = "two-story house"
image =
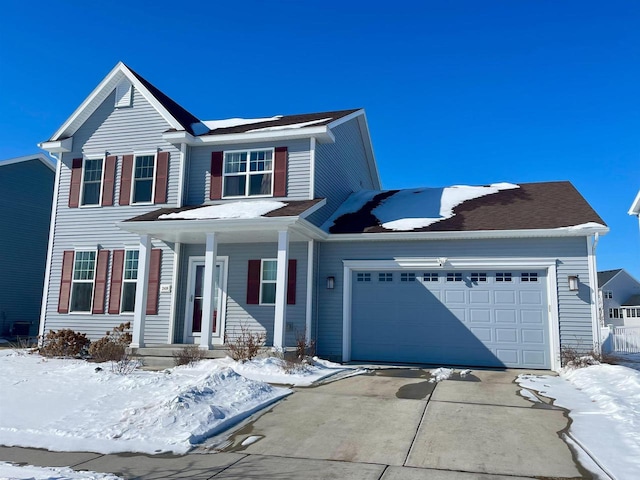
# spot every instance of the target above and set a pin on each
(620, 298)
(193, 229)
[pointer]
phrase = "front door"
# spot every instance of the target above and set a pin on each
(195, 298)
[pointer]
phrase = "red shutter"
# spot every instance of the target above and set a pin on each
(65, 283)
(125, 179)
(162, 174)
(215, 190)
(109, 180)
(253, 283)
(76, 180)
(291, 282)
(100, 286)
(116, 281)
(280, 173)
(153, 291)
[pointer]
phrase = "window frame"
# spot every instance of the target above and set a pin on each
(608, 294)
(263, 281)
(74, 281)
(132, 194)
(82, 182)
(247, 173)
(124, 280)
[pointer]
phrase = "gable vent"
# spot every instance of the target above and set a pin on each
(124, 96)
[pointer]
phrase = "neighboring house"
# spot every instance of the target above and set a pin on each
(620, 298)
(26, 192)
(635, 207)
(194, 229)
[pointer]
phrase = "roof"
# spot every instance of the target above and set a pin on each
(290, 209)
(632, 301)
(546, 205)
(635, 206)
(605, 276)
(27, 158)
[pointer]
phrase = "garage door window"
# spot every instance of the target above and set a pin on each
(385, 277)
(407, 277)
(429, 277)
(363, 277)
(529, 277)
(478, 277)
(503, 277)
(454, 277)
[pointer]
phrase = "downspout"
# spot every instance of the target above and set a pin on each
(595, 302)
(47, 269)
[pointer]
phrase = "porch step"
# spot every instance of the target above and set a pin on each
(159, 357)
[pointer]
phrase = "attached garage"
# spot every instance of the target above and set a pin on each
(475, 317)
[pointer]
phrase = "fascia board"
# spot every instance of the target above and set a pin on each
(409, 263)
(322, 134)
(58, 146)
(480, 234)
(635, 206)
(204, 226)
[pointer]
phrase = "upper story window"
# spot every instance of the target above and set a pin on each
(607, 294)
(143, 176)
(248, 173)
(92, 181)
(84, 269)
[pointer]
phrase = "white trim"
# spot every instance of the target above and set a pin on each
(36, 156)
(280, 310)
(47, 271)
(274, 282)
(635, 206)
(548, 264)
(322, 134)
(174, 291)
(153, 180)
(592, 243)
(93, 281)
(81, 194)
(309, 305)
(312, 167)
(142, 290)
(247, 173)
(184, 157)
(60, 146)
(122, 281)
(208, 291)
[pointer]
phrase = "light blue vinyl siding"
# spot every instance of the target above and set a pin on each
(341, 168)
(298, 168)
(119, 132)
(258, 318)
(26, 192)
(574, 308)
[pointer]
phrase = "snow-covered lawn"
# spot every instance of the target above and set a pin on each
(604, 404)
(68, 405)
(9, 471)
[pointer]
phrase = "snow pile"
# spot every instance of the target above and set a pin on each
(605, 408)
(440, 374)
(286, 127)
(10, 471)
(65, 405)
(242, 209)
(409, 209)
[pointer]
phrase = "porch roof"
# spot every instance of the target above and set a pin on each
(632, 301)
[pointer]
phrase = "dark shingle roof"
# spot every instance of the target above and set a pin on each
(632, 301)
(291, 209)
(606, 275)
(537, 206)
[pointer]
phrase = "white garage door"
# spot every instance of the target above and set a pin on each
(472, 318)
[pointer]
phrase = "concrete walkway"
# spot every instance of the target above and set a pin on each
(390, 425)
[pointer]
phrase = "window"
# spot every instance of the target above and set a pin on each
(143, 174)
(454, 277)
(633, 312)
(614, 313)
(268, 275)
(503, 277)
(607, 294)
(84, 269)
(129, 277)
(248, 173)
(385, 277)
(363, 277)
(429, 277)
(407, 277)
(478, 277)
(91, 181)
(528, 277)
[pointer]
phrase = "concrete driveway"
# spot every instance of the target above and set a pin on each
(391, 424)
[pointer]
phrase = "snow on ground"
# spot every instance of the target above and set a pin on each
(241, 209)
(10, 471)
(65, 405)
(604, 404)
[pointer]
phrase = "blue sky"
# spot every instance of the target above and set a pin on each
(456, 92)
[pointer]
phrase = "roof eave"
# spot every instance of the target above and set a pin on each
(57, 146)
(322, 134)
(635, 206)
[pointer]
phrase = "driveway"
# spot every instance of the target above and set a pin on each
(388, 425)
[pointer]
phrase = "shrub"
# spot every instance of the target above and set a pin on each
(304, 349)
(64, 343)
(580, 358)
(189, 355)
(112, 347)
(246, 345)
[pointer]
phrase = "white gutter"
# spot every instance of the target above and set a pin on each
(592, 243)
(323, 134)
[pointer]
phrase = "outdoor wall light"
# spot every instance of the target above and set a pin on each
(573, 283)
(442, 261)
(331, 283)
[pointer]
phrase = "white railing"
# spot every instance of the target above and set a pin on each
(626, 339)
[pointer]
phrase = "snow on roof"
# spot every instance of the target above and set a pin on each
(415, 208)
(293, 125)
(240, 209)
(234, 122)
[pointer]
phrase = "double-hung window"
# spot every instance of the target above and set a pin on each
(268, 278)
(129, 278)
(248, 173)
(92, 181)
(84, 273)
(143, 178)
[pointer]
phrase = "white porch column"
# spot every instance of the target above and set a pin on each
(142, 286)
(208, 289)
(281, 290)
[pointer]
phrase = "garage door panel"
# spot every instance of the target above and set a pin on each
(481, 323)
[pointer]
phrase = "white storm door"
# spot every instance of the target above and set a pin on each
(195, 293)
